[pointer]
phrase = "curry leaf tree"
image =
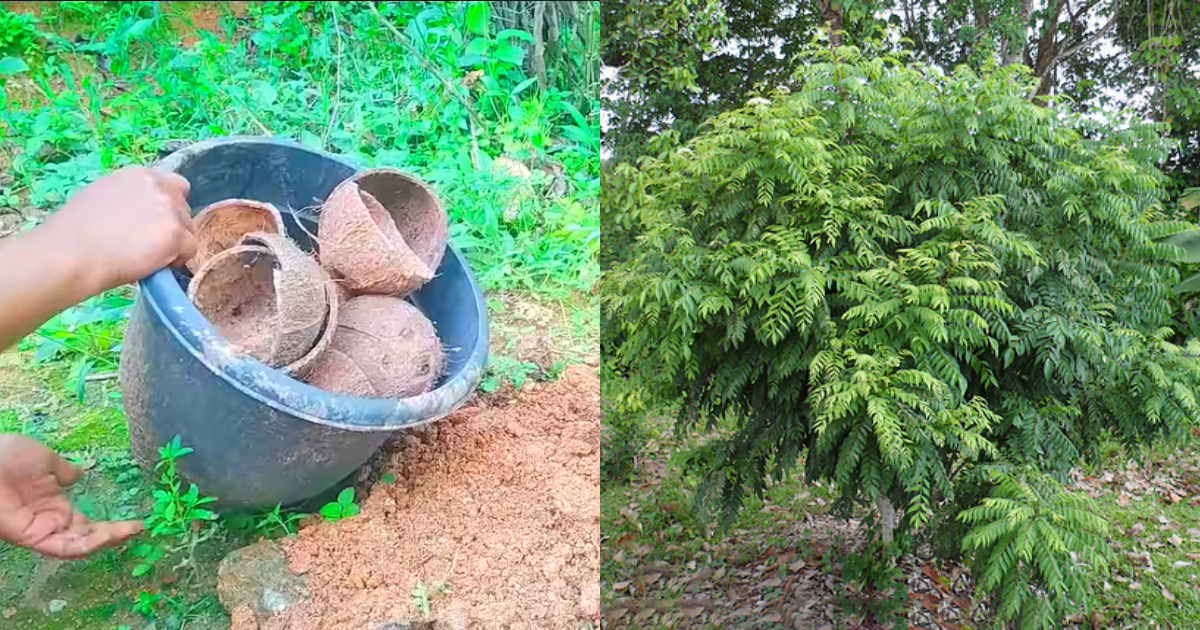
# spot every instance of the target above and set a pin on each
(899, 279)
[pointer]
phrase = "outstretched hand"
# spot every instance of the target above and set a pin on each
(34, 513)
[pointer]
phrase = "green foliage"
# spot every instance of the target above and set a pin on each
(422, 595)
(276, 522)
(873, 586)
(88, 335)
(899, 275)
(19, 35)
(504, 368)
(413, 86)
(344, 507)
(147, 603)
(178, 523)
(1036, 548)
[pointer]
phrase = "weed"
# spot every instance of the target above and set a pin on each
(344, 507)
(178, 523)
(276, 521)
(504, 368)
(147, 603)
(89, 335)
(422, 595)
(873, 586)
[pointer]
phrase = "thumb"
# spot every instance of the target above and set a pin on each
(64, 471)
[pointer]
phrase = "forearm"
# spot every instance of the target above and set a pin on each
(39, 277)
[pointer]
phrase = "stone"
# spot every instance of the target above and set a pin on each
(56, 606)
(254, 583)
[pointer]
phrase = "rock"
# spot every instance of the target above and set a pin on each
(254, 583)
(56, 606)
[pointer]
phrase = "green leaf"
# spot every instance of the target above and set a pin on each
(332, 511)
(346, 496)
(522, 86)
(514, 55)
(1188, 241)
(141, 569)
(479, 14)
(388, 479)
(349, 511)
(1191, 285)
(466, 61)
(12, 65)
(517, 33)
(1190, 198)
(478, 46)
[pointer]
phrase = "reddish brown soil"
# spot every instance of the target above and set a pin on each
(500, 503)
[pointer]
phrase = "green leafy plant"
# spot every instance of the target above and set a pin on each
(147, 603)
(422, 595)
(870, 273)
(276, 522)
(504, 368)
(178, 523)
(89, 335)
(344, 507)
(873, 586)
(1036, 548)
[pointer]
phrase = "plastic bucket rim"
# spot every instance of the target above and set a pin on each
(249, 377)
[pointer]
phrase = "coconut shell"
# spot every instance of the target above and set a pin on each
(305, 298)
(382, 343)
(235, 291)
(266, 297)
(384, 232)
(222, 225)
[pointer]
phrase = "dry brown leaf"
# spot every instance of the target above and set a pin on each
(1175, 540)
(1168, 594)
(620, 586)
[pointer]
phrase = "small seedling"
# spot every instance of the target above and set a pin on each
(275, 521)
(146, 604)
(422, 595)
(388, 479)
(344, 507)
(177, 524)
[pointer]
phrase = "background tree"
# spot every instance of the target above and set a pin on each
(923, 284)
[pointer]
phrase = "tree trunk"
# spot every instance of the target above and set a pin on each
(1015, 53)
(832, 13)
(538, 62)
(887, 518)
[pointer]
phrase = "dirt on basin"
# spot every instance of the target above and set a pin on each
(493, 522)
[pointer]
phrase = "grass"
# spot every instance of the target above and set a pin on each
(88, 87)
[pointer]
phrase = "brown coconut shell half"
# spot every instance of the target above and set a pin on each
(222, 225)
(384, 347)
(266, 297)
(309, 305)
(384, 232)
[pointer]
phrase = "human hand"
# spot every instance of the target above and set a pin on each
(125, 226)
(35, 514)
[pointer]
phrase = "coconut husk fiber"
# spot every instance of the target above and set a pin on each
(222, 225)
(384, 232)
(384, 347)
(266, 297)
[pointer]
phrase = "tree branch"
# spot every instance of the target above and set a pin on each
(1112, 21)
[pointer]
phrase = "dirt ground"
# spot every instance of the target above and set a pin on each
(492, 520)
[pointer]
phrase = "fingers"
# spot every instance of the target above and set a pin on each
(87, 538)
(66, 472)
(173, 182)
